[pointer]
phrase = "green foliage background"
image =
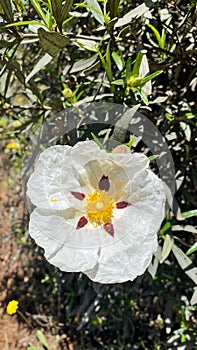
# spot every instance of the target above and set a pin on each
(55, 54)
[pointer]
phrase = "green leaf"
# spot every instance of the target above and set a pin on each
(193, 300)
(87, 45)
(166, 227)
(94, 7)
(185, 263)
(22, 23)
(151, 76)
(128, 69)
(118, 60)
(189, 214)
(108, 62)
(52, 42)
(142, 94)
(167, 247)
(83, 64)
(135, 13)
(32, 347)
(136, 67)
(7, 8)
(57, 9)
(192, 250)
(163, 38)
(38, 8)
(42, 339)
(153, 157)
(122, 124)
(157, 35)
(118, 82)
(65, 10)
(130, 143)
(113, 7)
(97, 141)
(41, 63)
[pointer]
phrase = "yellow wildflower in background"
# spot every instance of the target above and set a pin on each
(12, 146)
(12, 307)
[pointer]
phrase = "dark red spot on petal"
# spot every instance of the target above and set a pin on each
(82, 222)
(104, 183)
(109, 227)
(78, 195)
(123, 204)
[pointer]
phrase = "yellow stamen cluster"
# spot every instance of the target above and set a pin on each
(99, 207)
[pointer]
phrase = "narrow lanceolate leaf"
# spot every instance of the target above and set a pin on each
(39, 11)
(192, 250)
(137, 64)
(118, 60)
(57, 9)
(42, 339)
(153, 157)
(52, 42)
(22, 23)
(128, 69)
(193, 300)
(41, 63)
(65, 10)
(83, 64)
(118, 82)
(121, 126)
(108, 62)
(157, 35)
(185, 263)
(142, 94)
(113, 6)
(151, 76)
(94, 7)
(167, 247)
(189, 214)
(97, 141)
(7, 8)
(144, 71)
(135, 13)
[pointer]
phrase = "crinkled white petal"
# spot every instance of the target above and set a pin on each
(45, 187)
(85, 151)
(58, 172)
(65, 247)
(135, 239)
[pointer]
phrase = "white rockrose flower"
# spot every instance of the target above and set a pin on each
(96, 212)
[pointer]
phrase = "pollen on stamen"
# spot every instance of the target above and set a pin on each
(99, 207)
(54, 200)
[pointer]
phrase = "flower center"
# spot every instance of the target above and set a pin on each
(99, 207)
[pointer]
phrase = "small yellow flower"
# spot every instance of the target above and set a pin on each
(12, 307)
(12, 146)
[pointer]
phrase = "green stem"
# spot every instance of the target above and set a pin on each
(24, 318)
